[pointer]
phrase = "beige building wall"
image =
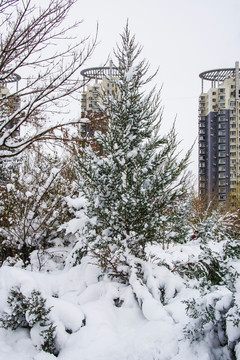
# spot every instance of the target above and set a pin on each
(91, 98)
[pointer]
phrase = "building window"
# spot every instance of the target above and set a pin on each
(222, 97)
(221, 133)
(221, 90)
(221, 154)
(233, 140)
(222, 190)
(221, 126)
(222, 104)
(221, 183)
(222, 176)
(221, 140)
(232, 126)
(222, 161)
(221, 118)
(233, 154)
(222, 168)
(232, 103)
(221, 147)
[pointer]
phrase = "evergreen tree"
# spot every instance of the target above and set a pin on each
(132, 185)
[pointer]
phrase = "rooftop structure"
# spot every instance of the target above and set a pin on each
(98, 73)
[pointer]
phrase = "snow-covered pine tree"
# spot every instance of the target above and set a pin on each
(131, 187)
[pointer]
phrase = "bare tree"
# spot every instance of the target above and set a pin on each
(29, 37)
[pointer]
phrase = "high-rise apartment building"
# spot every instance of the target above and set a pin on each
(219, 135)
(98, 81)
(9, 103)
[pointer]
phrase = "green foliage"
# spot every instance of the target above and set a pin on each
(232, 249)
(133, 185)
(217, 309)
(27, 311)
(78, 254)
(48, 339)
(18, 304)
(206, 320)
(210, 267)
(177, 224)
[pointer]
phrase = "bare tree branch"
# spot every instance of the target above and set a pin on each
(30, 37)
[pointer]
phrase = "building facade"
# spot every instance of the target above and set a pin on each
(98, 82)
(219, 135)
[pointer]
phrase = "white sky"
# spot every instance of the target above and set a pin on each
(181, 37)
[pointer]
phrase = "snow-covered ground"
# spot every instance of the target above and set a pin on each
(100, 319)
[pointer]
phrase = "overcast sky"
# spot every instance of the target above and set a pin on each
(181, 37)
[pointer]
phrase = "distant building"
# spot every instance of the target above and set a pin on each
(219, 135)
(99, 81)
(9, 103)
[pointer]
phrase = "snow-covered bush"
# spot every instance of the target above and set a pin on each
(215, 318)
(29, 312)
(215, 226)
(33, 206)
(215, 313)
